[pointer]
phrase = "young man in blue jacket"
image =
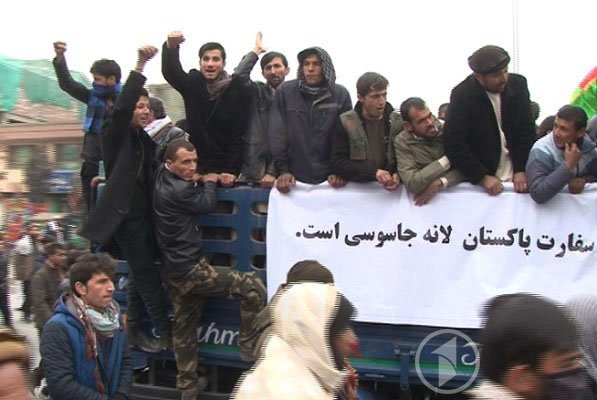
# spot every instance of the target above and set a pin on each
(84, 344)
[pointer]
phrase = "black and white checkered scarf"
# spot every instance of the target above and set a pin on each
(329, 73)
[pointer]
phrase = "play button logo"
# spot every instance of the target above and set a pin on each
(446, 361)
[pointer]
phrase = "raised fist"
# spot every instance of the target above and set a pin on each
(175, 39)
(146, 53)
(59, 48)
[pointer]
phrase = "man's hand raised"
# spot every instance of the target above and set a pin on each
(259, 47)
(175, 39)
(146, 53)
(59, 49)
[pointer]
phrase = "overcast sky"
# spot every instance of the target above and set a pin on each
(420, 46)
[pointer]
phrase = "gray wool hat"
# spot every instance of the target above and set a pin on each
(488, 59)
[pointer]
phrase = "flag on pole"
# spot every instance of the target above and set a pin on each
(585, 95)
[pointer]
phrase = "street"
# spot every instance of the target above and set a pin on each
(23, 327)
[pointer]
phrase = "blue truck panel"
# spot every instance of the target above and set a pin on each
(388, 353)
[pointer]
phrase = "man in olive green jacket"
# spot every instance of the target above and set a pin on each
(45, 285)
(422, 163)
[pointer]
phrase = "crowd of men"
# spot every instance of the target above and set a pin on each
(159, 177)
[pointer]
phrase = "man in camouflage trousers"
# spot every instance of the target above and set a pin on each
(178, 199)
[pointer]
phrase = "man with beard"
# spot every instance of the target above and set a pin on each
(422, 163)
(258, 165)
(490, 130)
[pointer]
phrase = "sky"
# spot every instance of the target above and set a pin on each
(420, 46)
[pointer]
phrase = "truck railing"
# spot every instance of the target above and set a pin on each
(387, 351)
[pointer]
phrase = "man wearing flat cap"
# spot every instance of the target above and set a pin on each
(490, 129)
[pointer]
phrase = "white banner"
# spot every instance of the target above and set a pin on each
(438, 264)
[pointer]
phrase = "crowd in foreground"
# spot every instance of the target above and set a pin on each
(530, 346)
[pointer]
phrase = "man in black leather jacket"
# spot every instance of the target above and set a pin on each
(178, 200)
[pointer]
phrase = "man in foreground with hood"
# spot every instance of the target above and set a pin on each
(302, 271)
(302, 122)
(305, 356)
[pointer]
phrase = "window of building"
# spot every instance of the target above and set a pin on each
(20, 156)
(68, 156)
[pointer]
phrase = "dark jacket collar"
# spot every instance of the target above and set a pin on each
(358, 107)
(475, 88)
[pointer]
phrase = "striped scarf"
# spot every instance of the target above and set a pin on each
(95, 323)
(96, 107)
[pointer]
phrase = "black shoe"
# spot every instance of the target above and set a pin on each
(137, 338)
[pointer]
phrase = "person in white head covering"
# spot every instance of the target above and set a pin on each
(304, 357)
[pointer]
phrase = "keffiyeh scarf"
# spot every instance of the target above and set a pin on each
(329, 72)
